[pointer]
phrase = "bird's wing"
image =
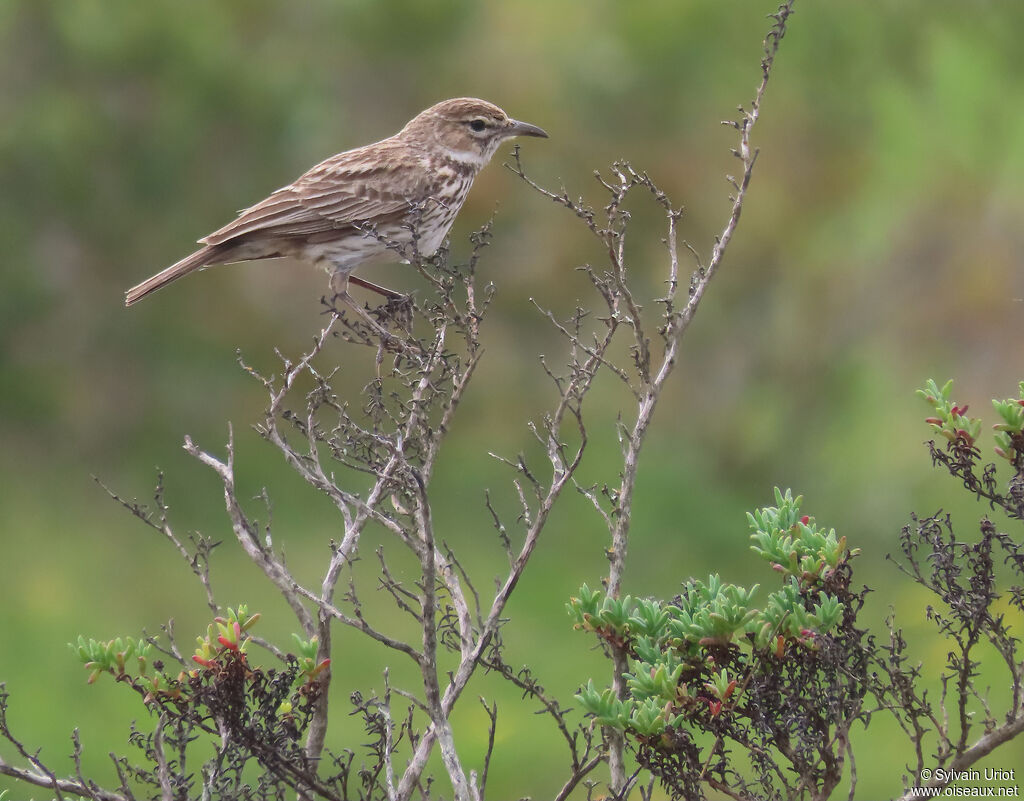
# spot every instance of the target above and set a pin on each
(372, 185)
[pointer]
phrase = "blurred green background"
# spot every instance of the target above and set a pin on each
(880, 244)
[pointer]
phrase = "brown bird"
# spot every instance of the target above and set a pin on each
(347, 209)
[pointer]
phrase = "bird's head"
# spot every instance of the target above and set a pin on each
(468, 130)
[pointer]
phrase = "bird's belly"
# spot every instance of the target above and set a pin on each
(345, 253)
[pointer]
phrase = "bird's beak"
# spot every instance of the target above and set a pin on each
(517, 128)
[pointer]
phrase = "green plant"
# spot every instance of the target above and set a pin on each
(758, 701)
(255, 714)
(706, 662)
(961, 455)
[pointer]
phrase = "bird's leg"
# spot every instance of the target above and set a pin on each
(340, 278)
(338, 281)
(397, 307)
(387, 341)
(383, 291)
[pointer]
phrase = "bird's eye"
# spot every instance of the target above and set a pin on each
(477, 125)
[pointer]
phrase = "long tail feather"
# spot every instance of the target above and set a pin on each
(197, 260)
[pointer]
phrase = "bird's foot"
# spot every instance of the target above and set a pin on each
(375, 323)
(397, 310)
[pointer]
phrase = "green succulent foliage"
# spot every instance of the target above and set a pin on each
(793, 543)
(711, 613)
(595, 611)
(607, 709)
(127, 657)
(225, 633)
(648, 618)
(117, 657)
(721, 685)
(306, 648)
(307, 657)
(656, 681)
(652, 651)
(1010, 432)
(1012, 412)
(645, 717)
(785, 615)
(949, 419)
(649, 719)
(673, 678)
(585, 607)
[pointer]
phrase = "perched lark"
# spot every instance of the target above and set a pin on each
(347, 209)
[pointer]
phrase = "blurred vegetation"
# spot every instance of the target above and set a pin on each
(881, 243)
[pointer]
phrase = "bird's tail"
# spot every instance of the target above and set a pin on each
(196, 261)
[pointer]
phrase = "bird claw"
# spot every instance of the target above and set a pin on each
(375, 322)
